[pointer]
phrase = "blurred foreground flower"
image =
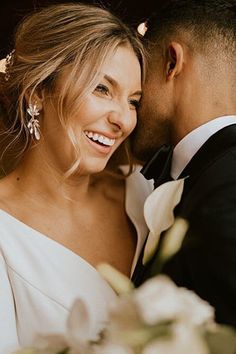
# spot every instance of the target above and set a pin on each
(119, 282)
(156, 318)
(160, 317)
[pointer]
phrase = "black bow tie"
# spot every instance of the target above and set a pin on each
(159, 166)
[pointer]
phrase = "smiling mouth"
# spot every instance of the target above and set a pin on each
(99, 139)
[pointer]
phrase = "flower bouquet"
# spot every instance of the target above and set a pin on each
(156, 318)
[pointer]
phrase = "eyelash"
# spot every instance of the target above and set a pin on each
(104, 90)
(134, 103)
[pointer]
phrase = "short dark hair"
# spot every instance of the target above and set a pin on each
(204, 19)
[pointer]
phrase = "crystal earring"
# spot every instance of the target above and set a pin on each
(33, 124)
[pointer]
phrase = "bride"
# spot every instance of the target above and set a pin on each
(68, 199)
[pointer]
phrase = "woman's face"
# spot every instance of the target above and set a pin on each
(105, 119)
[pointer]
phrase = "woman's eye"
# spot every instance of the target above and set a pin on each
(102, 89)
(134, 103)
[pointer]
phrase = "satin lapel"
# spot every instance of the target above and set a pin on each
(215, 146)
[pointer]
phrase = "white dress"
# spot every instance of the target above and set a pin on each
(40, 278)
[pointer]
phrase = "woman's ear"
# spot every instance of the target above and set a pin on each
(175, 60)
(36, 99)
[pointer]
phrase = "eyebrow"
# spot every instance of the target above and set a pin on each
(113, 82)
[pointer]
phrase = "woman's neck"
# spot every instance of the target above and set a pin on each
(38, 179)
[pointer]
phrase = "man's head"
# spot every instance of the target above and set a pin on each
(191, 75)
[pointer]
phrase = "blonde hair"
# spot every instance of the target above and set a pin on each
(72, 35)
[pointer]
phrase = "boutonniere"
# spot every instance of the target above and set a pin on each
(159, 216)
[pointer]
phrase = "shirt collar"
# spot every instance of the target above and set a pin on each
(191, 143)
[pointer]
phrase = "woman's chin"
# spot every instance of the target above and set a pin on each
(91, 169)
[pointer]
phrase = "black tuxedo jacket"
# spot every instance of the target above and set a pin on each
(206, 262)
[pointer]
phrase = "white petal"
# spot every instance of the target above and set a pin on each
(158, 212)
(78, 324)
(195, 310)
(158, 300)
(185, 340)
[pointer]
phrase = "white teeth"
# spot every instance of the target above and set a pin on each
(101, 138)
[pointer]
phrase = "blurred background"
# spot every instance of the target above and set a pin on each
(13, 11)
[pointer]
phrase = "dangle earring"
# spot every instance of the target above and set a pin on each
(33, 124)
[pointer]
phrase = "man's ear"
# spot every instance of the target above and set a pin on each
(175, 60)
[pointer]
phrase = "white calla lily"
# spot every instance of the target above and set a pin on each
(159, 212)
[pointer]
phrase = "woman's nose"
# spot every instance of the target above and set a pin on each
(120, 118)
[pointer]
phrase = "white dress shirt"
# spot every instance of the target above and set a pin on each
(192, 142)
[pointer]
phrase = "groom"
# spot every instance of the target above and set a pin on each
(189, 101)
